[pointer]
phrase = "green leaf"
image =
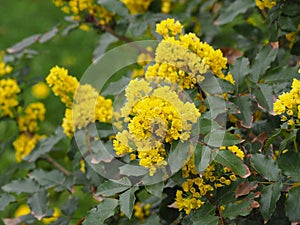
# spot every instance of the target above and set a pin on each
(244, 105)
(46, 145)
(202, 216)
(266, 167)
(24, 44)
(127, 200)
(48, 35)
(155, 189)
(5, 199)
(270, 195)
(8, 128)
(264, 96)
(262, 62)
(21, 186)
(117, 87)
(112, 187)
(133, 170)
(219, 138)
(48, 179)
(230, 160)
(152, 220)
(280, 74)
(295, 49)
(239, 70)
(105, 40)
(177, 156)
(238, 208)
(206, 126)
(289, 163)
(203, 157)
(292, 206)
(216, 105)
(38, 204)
(115, 6)
(233, 10)
(70, 206)
(101, 212)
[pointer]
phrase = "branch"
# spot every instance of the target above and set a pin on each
(58, 166)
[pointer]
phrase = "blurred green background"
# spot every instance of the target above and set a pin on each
(21, 19)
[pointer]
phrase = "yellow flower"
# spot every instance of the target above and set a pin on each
(137, 6)
(288, 104)
(22, 210)
(82, 166)
(81, 8)
(33, 113)
(184, 59)
(9, 90)
(62, 84)
(262, 4)
(40, 90)
(155, 116)
(56, 214)
(169, 27)
(4, 68)
(24, 144)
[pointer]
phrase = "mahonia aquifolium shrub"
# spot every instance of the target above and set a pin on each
(218, 98)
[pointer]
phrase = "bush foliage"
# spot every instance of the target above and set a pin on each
(188, 114)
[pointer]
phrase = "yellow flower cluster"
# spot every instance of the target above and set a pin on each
(196, 187)
(82, 10)
(141, 6)
(183, 58)
(9, 90)
(4, 68)
(288, 104)
(154, 116)
(33, 113)
(141, 211)
(88, 107)
(62, 84)
(28, 126)
(263, 4)
(83, 103)
(24, 144)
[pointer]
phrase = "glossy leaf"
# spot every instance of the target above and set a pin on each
(239, 70)
(230, 160)
(101, 212)
(292, 206)
(289, 163)
(155, 189)
(233, 10)
(6, 199)
(262, 62)
(38, 204)
(21, 186)
(48, 179)
(127, 200)
(105, 40)
(266, 167)
(46, 145)
(268, 199)
(264, 96)
(111, 187)
(238, 208)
